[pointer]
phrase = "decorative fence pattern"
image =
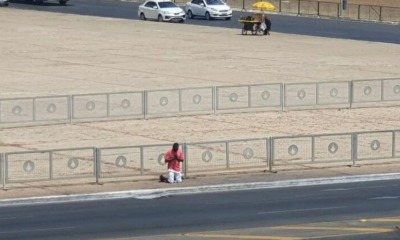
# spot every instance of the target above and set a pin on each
(194, 101)
(200, 157)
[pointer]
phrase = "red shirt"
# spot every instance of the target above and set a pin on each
(174, 160)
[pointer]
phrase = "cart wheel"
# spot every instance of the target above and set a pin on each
(253, 32)
(244, 32)
(260, 32)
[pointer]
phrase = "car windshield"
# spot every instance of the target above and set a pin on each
(214, 2)
(167, 4)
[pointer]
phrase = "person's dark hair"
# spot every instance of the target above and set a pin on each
(175, 147)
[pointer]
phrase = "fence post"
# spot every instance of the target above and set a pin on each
(298, 7)
(2, 164)
(269, 151)
(351, 93)
(359, 11)
(185, 163)
(141, 160)
(97, 163)
(280, 6)
(145, 104)
(70, 108)
(354, 140)
(243, 4)
(312, 148)
(393, 144)
(227, 154)
(51, 164)
(180, 100)
(380, 13)
(338, 10)
(283, 96)
(4, 169)
(318, 8)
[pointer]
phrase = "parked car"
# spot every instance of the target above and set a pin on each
(161, 10)
(209, 9)
(4, 2)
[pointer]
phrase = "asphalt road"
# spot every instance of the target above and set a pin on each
(205, 212)
(285, 24)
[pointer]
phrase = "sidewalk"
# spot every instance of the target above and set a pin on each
(41, 190)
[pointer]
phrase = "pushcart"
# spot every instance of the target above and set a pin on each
(253, 24)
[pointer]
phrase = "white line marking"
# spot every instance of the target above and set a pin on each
(37, 230)
(335, 189)
(302, 210)
(385, 197)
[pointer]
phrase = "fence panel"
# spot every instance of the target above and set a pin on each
(232, 97)
(52, 109)
(154, 158)
(391, 90)
(375, 145)
(369, 12)
(197, 99)
(300, 94)
(16, 110)
(328, 9)
(390, 14)
(351, 12)
(333, 93)
(73, 163)
(333, 148)
(266, 95)
(27, 166)
(120, 161)
(248, 153)
(309, 7)
(126, 104)
(292, 150)
(162, 102)
(89, 106)
(367, 91)
(208, 157)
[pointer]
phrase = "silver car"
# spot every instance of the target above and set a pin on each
(161, 10)
(4, 2)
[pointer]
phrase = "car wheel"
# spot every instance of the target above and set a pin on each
(181, 21)
(63, 3)
(142, 17)
(190, 14)
(160, 19)
(208, 17)
(6, 4)
(228, 18)
(39, 2)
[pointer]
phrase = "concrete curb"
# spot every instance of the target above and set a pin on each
(157, 193)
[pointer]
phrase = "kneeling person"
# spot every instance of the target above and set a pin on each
(174, 157)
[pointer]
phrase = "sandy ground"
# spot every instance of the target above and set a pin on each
(56, 54)
(44, 54)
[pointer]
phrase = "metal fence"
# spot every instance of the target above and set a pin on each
(200, 157)
(194, 101)
(330, 9)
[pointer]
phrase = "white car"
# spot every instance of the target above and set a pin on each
(209, 9)
(4, 2)
(161, 10)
